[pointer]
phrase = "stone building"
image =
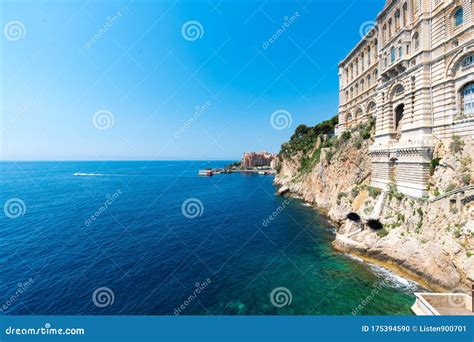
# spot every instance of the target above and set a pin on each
(258, 159)
(414, 73)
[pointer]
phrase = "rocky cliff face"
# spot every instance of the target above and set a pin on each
(431, 241)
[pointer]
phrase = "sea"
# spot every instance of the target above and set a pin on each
(154, 238)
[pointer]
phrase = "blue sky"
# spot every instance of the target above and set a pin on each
(146, 78)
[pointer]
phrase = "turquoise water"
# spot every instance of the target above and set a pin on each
(85, 226)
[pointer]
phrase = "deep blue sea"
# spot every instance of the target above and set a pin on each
(154, 238)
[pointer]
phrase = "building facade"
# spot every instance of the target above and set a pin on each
(258, 159)
(414, 73)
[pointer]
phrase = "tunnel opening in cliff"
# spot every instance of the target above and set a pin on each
(353, 217)
(375, 224)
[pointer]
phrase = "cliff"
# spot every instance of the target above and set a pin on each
(430, 240)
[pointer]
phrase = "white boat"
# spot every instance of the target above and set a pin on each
(206, 173)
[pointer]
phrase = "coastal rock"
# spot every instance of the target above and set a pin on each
(430, 241)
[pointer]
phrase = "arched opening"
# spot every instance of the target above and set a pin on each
(371, 107)
(399, 116)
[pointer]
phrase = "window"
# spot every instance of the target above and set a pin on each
(467, 99)
(416, 40)
(468, 61)
(371, 107)
(397, 20)
(392, 55)
(368, 56)
(385, 62)
(400, 52)
(405, 13)
(399, 90)
(399, 116)
(458, 17)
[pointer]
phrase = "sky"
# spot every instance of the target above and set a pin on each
(169, 80)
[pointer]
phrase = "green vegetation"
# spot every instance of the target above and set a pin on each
(304, 141)
(373, 192)
(433, 165)
(456, 144)
(393, 192)
(382, 233)
(450, 187)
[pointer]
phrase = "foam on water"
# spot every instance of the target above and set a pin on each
(392, 279)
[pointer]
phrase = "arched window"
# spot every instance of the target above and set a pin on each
(416, 40)
(347, 95)
(384, 34)
(348, 117)
(458, 17)
(369, 61)
(362, 85)
(356, 89)
(397, 20)
(390, 28)
(398, 116)
(371, 107)
(398, 90)
(468, 61)
(368, 81)
(405, 13)
(362, 61)
(467, 99)
(352, 93)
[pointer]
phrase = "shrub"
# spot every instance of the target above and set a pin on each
(456, 144)
(450, 187)
(433, 165)
(382, 233)
(358, 144)
(345, 136)
(374, 192)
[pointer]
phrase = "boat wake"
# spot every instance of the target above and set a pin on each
(80, 174)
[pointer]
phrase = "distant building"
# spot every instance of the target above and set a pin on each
(414, 73)
(258, 159)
